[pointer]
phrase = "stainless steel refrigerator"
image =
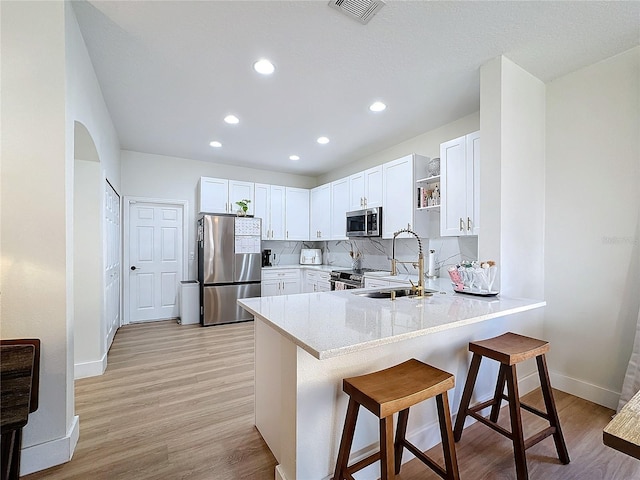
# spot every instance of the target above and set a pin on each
(229, 266)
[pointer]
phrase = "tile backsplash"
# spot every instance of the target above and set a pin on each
(376, 253)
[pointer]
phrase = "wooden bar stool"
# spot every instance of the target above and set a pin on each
(384, 393)
(510, 349)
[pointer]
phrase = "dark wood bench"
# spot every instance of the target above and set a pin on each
(19, 382)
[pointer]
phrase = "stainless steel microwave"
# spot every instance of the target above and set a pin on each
(365, 223)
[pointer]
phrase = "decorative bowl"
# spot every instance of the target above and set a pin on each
(433, 167)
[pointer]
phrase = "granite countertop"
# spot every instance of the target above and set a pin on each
(330, 324)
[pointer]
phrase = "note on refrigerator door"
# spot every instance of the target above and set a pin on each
(248, 226)
(248, 244)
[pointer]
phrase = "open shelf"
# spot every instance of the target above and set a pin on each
(429, 179)
(431, 207)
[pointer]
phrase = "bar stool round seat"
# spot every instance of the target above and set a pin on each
(510, 349)
(384, 393)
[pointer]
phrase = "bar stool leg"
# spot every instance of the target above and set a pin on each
(347, 440)
(497, 397)
(387, 464)
(401, 431)
(517, 434)
(446, 433)
(552, 413)
(466, 396)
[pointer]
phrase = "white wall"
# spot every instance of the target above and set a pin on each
(85, 102)
(87, 114)
(522, 182)
(87, 270)
(162, 177)
(512, 185)
(36, 268)
(47, 84)
(591, 248)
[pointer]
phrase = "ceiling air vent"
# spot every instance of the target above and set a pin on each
(360, 10)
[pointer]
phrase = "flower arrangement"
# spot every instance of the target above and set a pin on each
(244, 204)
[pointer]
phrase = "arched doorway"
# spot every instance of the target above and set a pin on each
(96, 258)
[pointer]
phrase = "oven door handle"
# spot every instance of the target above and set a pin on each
(343, 285)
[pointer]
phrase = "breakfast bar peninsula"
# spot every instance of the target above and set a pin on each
(306, 344)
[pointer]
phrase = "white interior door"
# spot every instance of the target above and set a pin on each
(155, 260)
(112, 262)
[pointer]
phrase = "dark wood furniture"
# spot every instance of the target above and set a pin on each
(384, 393)
(623, 432)
(19, 381)
(510, 349)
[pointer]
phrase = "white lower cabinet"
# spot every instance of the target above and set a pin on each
(280, 282)
(316, 281)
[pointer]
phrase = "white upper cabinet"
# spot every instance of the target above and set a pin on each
(213, 194)
(262, 209)
(218, 195)
(373, 187)
(269, 206)
(296, 213)
(241, 191)
(366, 189)
(339, 208)
(399, 206)
(320, 214)
(277, 206)
(459, 177)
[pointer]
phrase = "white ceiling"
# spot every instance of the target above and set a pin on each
(171, 70)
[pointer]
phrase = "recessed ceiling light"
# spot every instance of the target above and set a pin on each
(323, 140)
(231, 119)
(264, 67)
(294, 157)
(377, 107)
(215, 144)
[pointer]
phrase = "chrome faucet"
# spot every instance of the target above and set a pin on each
(419, 289)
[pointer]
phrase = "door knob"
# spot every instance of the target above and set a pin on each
(133, 267)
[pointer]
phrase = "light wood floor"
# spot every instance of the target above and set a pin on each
(176, 402)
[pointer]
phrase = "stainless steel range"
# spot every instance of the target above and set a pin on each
(348, 279)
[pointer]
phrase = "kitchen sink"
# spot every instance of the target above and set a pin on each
(387, 293)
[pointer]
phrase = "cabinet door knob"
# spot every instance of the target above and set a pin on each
(461, 225)
(468, 224)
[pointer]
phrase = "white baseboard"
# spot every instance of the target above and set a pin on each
(580, 388)
(279, 473)
(90, 369)
(49, 454)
